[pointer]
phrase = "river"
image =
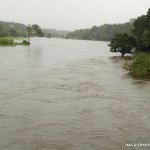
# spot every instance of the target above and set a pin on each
(62, 94)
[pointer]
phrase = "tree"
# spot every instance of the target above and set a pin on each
(142, 32)
(13, 32)
(122, 43)
(34, 30)
(29, 30)
(146, 39)
(104, 32)
(37, 30)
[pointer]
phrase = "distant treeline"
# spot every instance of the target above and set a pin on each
(105, 32)
(12, 29)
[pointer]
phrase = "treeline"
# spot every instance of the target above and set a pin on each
(12, 29)
(105, 32)
(139, 40)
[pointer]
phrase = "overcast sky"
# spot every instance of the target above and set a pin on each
(71, 14)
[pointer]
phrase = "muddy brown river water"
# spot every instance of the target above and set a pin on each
(70, 95)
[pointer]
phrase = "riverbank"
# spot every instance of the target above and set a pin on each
(139, 65)
(13, 41)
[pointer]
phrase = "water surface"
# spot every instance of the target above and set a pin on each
(70, 95)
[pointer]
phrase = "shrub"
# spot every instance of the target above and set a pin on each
(140, 66)
(25, 42)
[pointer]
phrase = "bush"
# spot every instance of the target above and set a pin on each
(25, 42)
(140, 66)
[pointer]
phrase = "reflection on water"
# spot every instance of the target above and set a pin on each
(70, 95)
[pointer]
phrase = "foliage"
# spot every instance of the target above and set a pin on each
(142, 32)
(140, 66)
(6, 41)
(24, 42)
(122, 43)
(34, 30)
(146, 39)
(12, 29)
(105, 32)
(37, 30)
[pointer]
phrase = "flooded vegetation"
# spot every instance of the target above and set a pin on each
(61, 94)
(11, 41)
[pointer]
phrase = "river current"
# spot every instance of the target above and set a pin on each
(62, 94)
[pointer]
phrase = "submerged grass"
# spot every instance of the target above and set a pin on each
(6, 41)
(10, 41)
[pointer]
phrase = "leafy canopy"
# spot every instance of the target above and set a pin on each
(34, 30)
(122, 43)
(142, 32)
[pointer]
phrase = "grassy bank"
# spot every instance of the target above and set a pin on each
(10, 41)
(139, 66)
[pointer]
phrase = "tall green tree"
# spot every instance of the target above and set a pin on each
(38, 31)
(122, 43)
(34, 30)
(142, 32)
